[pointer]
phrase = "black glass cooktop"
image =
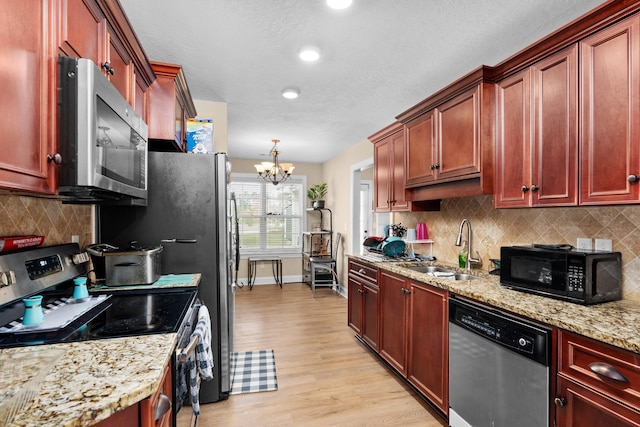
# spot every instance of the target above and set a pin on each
(124, 314)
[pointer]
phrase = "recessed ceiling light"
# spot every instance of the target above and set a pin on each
(339, 4)
(290, 93)
(309, 53)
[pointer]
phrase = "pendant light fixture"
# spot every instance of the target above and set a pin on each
(274, 171)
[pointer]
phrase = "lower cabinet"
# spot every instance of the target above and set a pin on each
(414, 335)
(597, 384)
(428, 331)
(363, 302)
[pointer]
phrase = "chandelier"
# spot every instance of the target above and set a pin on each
(274, 172)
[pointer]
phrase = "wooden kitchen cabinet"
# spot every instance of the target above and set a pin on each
(363, 302)
(537, 148)
(170, 106)
(428, 354)
(450, 139)
(394, 305)
(28, 107)
(610, 105)
(98, 30)
(388, 154)
(414, 337)
(597, 385)
(389, 172)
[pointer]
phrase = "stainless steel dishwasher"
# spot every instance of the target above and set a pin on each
(498, 368)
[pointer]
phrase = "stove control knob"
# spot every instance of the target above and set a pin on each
(80, 258)
(7, 278)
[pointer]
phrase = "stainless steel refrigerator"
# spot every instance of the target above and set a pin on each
(188, 201)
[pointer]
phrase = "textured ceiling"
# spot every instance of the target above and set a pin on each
(379, 58)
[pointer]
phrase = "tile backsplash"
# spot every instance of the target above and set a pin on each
(493, 228)
(23, 215)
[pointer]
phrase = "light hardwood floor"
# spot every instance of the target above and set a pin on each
(325, 376)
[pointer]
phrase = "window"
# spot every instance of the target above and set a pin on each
(270, 217)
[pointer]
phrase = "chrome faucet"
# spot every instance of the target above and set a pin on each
(470, 259)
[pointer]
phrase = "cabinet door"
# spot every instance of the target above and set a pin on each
(420, 137)
(458, 136)
(610, 98)
(393, 308)
(428, 358)
(121, 68)
(513, 145)
(370, 315)
(28, 108)
(354, 298)
(582, 407)
(82, 27)
(398, 200)
(382, 175)
(555, 157)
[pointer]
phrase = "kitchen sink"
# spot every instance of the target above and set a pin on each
(442, 273)
(429, 269)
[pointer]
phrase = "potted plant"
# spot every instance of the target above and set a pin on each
(316, 194)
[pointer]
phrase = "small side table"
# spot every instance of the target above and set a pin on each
(276, 268)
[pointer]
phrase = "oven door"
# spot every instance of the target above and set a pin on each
(185, 350)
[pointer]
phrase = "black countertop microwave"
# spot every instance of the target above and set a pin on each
(561, 272)
(103, 143)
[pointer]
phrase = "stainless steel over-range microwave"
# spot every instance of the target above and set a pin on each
(584, 277)
(102, 141)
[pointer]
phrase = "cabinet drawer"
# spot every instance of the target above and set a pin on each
(607, 369)
(363, 270)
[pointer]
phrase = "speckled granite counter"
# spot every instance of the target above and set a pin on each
(94, 379)
(616, 323)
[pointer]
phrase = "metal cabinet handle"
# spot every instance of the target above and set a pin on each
(560, 402)
(406, 291)
(108, 68)
(361, 291)
(163, 406)
(608, 372)
(55, 158)
(525, 188)
(633, 178)
(534, 187)
(362, 271)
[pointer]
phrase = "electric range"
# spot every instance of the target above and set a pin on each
(49, 271)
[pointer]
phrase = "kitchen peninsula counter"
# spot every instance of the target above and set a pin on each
(614, 323)
(92, 380)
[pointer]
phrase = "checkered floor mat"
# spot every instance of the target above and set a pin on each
(253, 371)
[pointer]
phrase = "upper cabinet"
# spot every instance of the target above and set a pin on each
(99, 30)
(389, 172)
(32, 35)
(28, 107)
(537, 150)
(449, 140)
(170, 106)
(610, 104)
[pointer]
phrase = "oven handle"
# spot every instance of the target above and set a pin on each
(183, 354)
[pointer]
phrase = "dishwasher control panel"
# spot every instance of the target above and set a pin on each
(527, 339)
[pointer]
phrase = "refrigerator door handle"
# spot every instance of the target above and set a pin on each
(179, 241)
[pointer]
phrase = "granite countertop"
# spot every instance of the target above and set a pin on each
(616, 323)
(93, 380)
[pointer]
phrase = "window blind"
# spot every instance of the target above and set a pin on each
(270, 217)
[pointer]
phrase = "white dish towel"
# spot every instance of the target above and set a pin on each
(203, 364)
